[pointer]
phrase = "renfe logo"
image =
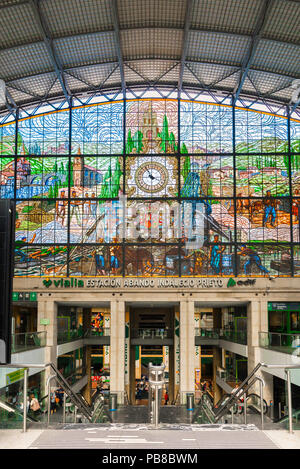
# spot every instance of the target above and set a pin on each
(72, 283)
(232, 283)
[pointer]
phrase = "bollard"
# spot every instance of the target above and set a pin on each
(113, 402)
(190, 401)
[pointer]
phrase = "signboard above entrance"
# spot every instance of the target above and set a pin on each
(149, 283)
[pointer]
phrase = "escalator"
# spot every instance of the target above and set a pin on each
(225, 405)
(253, 402)
(210, 413)
(77, 399)
(12, 409)
(295, 416)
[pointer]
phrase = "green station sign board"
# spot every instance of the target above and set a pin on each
(24, 296)
(14, 376)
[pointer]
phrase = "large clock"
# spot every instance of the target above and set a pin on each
(151, 177)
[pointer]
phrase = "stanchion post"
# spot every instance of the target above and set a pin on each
(25, 391)
(261, 384)
(290, 408)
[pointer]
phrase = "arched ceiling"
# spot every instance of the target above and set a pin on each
(62, 48)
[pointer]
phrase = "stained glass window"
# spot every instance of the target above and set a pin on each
(7, 139)
(47, 134)
(257, 132)
(106, 191)
(151, 126)
(98, 129)
(205, 128)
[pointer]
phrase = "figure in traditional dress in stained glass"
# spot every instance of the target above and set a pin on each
(86, 208)
(93, 205)
(269, 209)
(75, 210)
(61, 208)
(215, 255)
(253, 259)
(99, 258)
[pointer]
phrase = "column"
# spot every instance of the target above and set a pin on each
(217, 355)
(87, 389)
(117, 349)
(187, 349)
(47, 322)
(257, 321)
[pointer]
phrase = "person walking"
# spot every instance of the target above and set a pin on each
(52, 402)
(34, 405)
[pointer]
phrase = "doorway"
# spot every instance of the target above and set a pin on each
(151, 341)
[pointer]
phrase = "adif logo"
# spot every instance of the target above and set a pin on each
(296, 93)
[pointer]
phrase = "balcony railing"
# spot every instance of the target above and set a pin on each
(147, 333)
(207, 333)
(105, 332)
(284, 343)
(27, 341)
(239, 337)
(64, 336)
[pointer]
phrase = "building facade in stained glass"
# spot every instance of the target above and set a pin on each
(154, 187)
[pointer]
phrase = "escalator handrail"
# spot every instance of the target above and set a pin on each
(73, 396)
(235, 396)
(256, 395)
(16, 411)
(295, 413)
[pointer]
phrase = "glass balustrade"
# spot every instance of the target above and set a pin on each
(68, 335)
(104, 332)
(209, 333)
(12, 396)
(27, 341)
(284, 343)
(151, 333)
(237, 336)
(64, 336)
(37, 401)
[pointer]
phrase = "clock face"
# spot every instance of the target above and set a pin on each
(151, 177)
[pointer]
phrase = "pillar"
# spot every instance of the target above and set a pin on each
(187, 349)
(87, 388)
(217, 355)
(47, 322)
(132, 375)
(257, 321)
(117, 349)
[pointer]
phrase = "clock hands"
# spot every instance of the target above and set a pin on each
(151, 176)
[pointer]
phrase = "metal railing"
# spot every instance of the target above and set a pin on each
(75, 398)
(64, 336)
(105, 332)
(285, 343)
(151, 333)
(27, 341)
(237, 336)
(209, 333)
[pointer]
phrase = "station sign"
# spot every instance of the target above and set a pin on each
(149, 283)
(24, 296)
(14, 376)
